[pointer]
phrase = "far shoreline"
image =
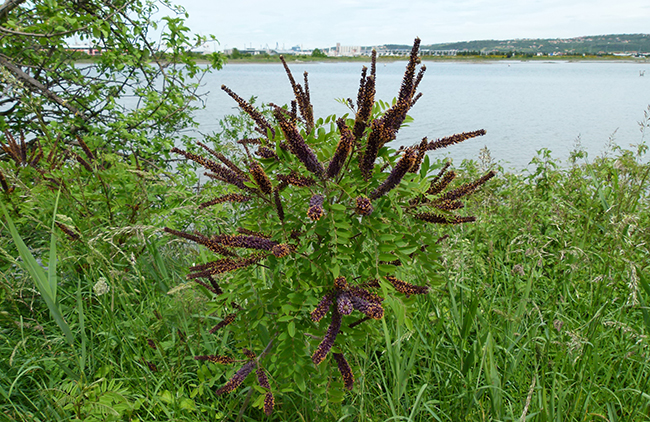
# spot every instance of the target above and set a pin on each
(451, 59)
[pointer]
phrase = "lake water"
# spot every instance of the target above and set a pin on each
(523, 106)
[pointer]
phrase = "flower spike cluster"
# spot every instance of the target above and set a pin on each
(280, 185)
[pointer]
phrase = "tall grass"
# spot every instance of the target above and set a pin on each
(542, 316)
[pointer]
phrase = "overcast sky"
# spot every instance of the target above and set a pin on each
(310, 24)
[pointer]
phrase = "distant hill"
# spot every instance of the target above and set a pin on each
(594, 44)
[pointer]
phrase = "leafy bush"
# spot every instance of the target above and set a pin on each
(317, 252)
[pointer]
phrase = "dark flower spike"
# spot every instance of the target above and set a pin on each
(372, 284)
(379, 135)
(278, 203)
(4, 184)
(219, 172)
(362, 293)
(269, 402)
(371, 309)
(407, 288)
(438, 186)
(225, 360)
(454, 139)
(262, 380)
(363, 206)
(207, 286)
(72, 235)
(83, 162)
(202, 240)
(448, 205)
(226, 321)
(344, 304)
(341, 283)
(309, 108)
(244, 241)
(345, 370)
(297, 180)
(302, 97)
(364, 110)
(416, 98)
(418, 79)
(18, 152)
(298, 145)
(467, 188)
(251, 233)
(362, 85)
(328, 341)
(394, 116)
(342, 149)
(440, 173)
(261, 179)
(373, 63)
(262, 124)
(215, 285)
(281, 250)
(249, 354)
(401, 168)
(322, 308)
(422, 150)
(223, 266)
(315, 211)
(85, 149)
(219, 156)
(408, 85)
(440, 219)
(231, 197)
(250, 141)
(237, 379)
(266, 153)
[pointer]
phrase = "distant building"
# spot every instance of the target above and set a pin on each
(344, 51)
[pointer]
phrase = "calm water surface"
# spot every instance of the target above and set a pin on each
(524, 106)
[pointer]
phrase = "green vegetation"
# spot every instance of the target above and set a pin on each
(536, 311)
(543, 312)
(589, 45)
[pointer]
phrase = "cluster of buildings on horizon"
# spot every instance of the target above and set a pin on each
(338, 51)
(386, 50)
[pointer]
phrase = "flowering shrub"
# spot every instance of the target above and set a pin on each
(331, 234)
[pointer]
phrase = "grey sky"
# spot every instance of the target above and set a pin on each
(240, 23)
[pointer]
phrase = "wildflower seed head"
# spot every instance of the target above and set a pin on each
(237, 379)
(341, 283)
(401, 168)
(407, 288)
(215, 358)
(363, 206)
(269, 402)
(344, 304)
(262, 380)
(315, 211)
(322, 308)
(372, 309)
(345, 370)
(281, 250)
(261, 179)
(328, 341)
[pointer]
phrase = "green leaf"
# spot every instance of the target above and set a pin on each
(41, 280)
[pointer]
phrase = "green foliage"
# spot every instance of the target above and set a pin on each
(318, 53)
(333, 246)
